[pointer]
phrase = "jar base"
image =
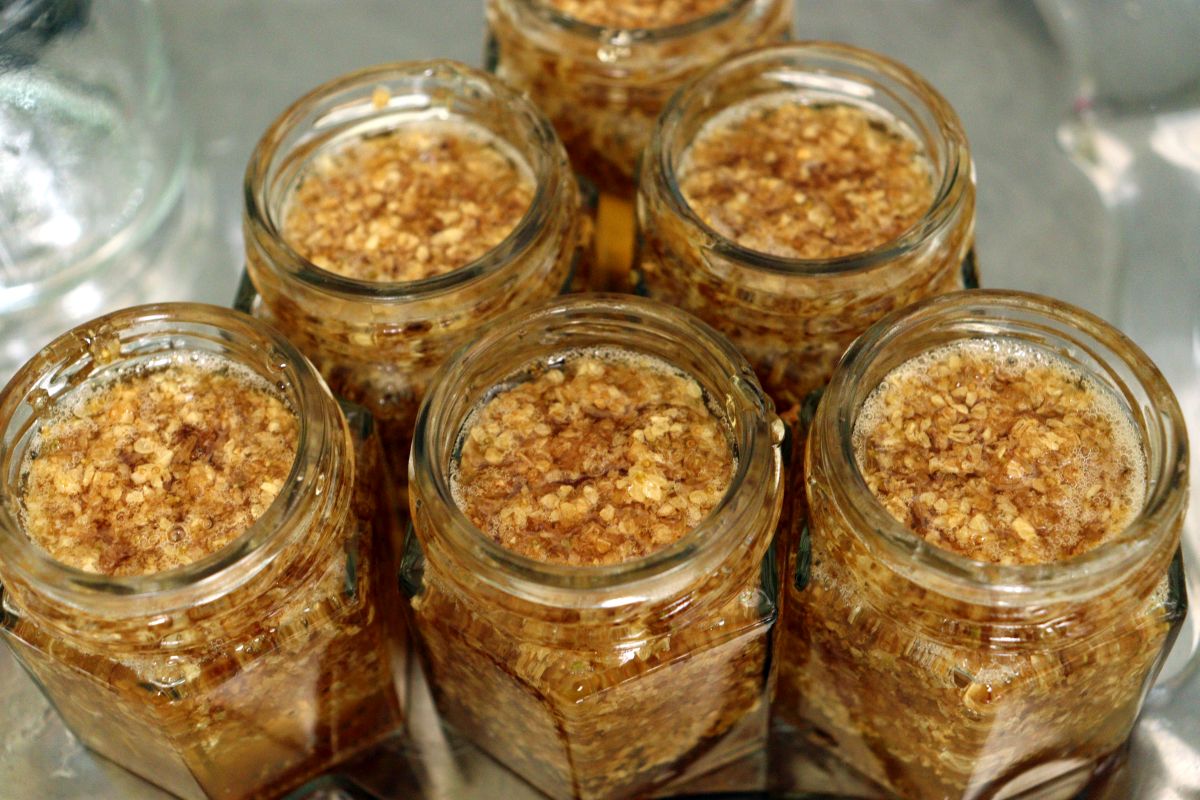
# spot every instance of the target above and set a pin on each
(803, 758)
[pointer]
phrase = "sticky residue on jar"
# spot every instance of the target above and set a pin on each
(600, 457)
(156, 466)
(1001, 452)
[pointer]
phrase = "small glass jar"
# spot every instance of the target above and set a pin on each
(603, 88)
(255, 667)
(940, 676)
(598, 681)
(378, 343)
(791, 317)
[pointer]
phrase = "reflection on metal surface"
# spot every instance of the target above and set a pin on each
(1103, 158)
(1176, 139)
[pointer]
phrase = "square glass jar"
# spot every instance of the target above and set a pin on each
(936, 675)
(597, 681)
(256, 667)
(794, 317)
(378, 343)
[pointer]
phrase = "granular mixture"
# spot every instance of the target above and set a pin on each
(1001, 453)
(413, 202)
(604, 458)
(154, 469)
(804, 180)
(637, 14)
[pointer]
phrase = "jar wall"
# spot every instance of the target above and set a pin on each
(378, 343)
(793, 318)
(256, 668)
(938, 676)
(601, 681)
(593, 713)
(603, 88)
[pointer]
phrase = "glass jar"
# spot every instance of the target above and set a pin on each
(791, 317)
(93, 164)
(251, 669)
(603, 88)
(597, 681)
(940, 676)
(378, 343)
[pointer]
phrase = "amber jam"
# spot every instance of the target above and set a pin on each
(593, 520)
(983, 580)
(793, 195)
(603, 71)
(1001, 452)
(415, 201)
(603, 458)
(793, 176)
(157, 468)
(392, 211)
(197, 555)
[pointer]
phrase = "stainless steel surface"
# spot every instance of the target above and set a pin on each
(1084, 196)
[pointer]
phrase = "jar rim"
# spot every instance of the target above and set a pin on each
(955, 176)
(173, 328)
(545, 157)
(24, 15)
(605, 35)
(758, 434)
(1001, 584)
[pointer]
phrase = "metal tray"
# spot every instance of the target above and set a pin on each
(1087, 145)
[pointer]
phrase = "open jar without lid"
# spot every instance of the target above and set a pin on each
(603, 84)
(378, 341)
(793, 312)
(602, 679)
(247, 670)
(938, 675)
(603, 72)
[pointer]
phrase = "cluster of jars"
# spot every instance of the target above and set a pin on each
(797, 597)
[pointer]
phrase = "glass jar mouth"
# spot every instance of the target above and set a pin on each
(564, 324)
(38, 15)
(626, 37)
(346, 103)
(837, 73)
(1088, 343)
(145, 334)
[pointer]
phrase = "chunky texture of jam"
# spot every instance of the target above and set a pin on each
(261, 680)
(790, 175)
(806, 180)
(1001, 453)
(157, 468)
(420, 200)
(597, 461)
(593, 460)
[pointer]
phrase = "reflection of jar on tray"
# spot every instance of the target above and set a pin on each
(602, 72)
(792, 196)
(196, 563)
(985, 587)
(392, 211)
(594, 487)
